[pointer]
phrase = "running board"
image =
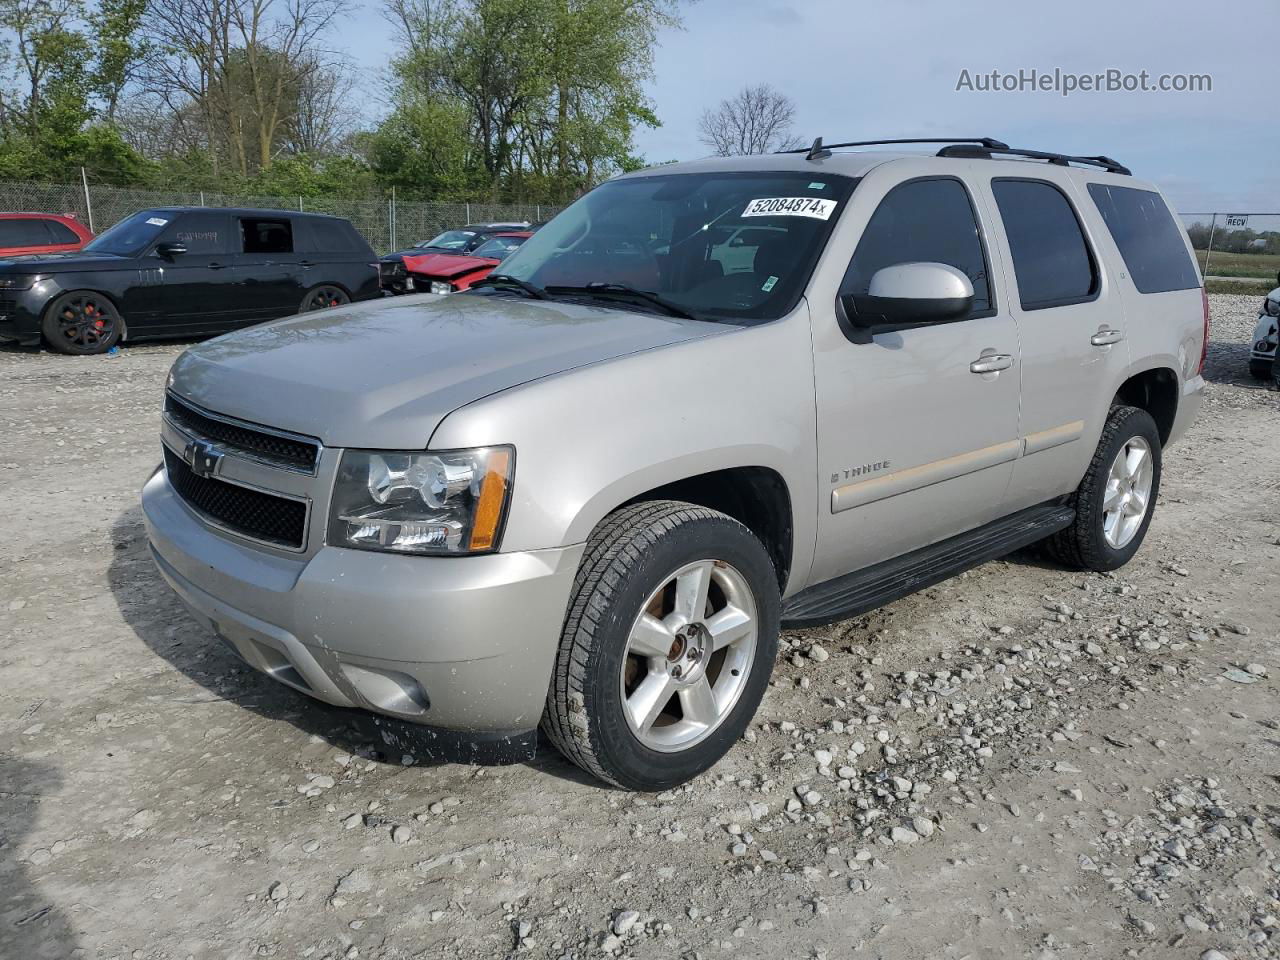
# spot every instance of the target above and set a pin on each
(864, 590)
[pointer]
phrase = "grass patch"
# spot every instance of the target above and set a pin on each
(1264, 266)
(1259, 288)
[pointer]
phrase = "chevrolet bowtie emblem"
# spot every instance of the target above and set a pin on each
(203, 458)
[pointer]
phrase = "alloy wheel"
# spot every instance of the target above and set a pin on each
(1128, 494)
(688, 655)
(86, 321)
(322, 297)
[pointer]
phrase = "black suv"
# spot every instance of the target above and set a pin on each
(184, 271)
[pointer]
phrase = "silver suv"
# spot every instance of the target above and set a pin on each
(706, 400)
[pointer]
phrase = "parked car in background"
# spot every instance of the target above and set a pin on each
(451, 272)
(585, 493)
(22, 234)
(181, 272)
(462, 240)
(1266, 335)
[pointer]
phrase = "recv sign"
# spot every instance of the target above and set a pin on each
(1237, 219)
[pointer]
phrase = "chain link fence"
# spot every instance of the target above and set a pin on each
(1236, 246)
(387, 223)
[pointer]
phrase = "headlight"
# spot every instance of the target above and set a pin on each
(448, 502)
(438, 287)
(19, 282)
(1271, 307)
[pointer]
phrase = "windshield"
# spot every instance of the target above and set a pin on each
(729, 246)
(130, 236)
(450, 240)
(498, 248)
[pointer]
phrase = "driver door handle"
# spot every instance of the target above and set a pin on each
(215, 265)
(1105, 337)
(991, 363)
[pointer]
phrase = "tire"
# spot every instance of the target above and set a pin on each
(1098, 539)
(628, 573)
(323, 296)
(1260, 369)
(81, 322)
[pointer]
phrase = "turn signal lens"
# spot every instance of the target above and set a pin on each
(493, 498)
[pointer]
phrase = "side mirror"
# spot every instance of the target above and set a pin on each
(171, 250)
(910, 293)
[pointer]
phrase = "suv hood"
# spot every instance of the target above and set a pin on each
(384, 373)
(61, 262)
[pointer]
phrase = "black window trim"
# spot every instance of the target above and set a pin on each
(1095, 265)
(842, 319)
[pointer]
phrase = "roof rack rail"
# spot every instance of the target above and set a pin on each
(819, 150)
(987, 152)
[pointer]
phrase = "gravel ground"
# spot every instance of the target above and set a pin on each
(1021, 762)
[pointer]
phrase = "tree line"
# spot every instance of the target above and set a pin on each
(501, 100)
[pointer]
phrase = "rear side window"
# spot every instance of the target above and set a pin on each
(1150, 241)
(24, 232)
(266, 236)
(928, 221)
(60, 232)
(1050, 256)
(335, 236)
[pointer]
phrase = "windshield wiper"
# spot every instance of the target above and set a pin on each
(503, 279)
(600, 287)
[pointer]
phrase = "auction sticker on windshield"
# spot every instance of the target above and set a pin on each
(814, 207)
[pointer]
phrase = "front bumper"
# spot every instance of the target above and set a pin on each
(20, 312)
(461, 643)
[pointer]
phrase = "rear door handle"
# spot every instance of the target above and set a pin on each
(1105, 338)
(991, 363)
(306, 263)
(216, 266)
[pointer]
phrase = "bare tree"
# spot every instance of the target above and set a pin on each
(754, 120)
(324, 114)
(242, 64)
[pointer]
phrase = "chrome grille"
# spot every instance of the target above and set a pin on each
(278, 449)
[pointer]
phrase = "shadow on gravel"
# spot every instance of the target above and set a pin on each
(31, 925)
(159, 619)
(1228, 363)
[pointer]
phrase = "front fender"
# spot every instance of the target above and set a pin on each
(590, 439)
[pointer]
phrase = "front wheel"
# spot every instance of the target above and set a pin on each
(325, 295)
(667, 648)
(1117, 497)
(82, 322)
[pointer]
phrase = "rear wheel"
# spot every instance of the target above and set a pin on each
(325, 295)
(667, 648)
(1117, 497)
(82, 322)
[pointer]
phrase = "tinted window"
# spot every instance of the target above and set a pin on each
(1050, 258)
(497, 248)
(60, 232)
(24, 233)
(924, 221)
(1149, 239)
(266, 236)
(334, 236)
(451, 240)
(200, 233)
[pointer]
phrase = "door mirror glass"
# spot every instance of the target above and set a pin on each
(171, 250)
(912, 293)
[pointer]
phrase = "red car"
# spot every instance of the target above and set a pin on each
(451, 272)
(24, 233)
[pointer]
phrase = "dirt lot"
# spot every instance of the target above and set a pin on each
(1022, 762)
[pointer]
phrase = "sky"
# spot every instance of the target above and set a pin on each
(866, 69)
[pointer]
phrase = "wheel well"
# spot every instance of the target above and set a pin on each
(756, 497)
(1155, 391)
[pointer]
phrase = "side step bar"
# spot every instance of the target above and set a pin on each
(864, 590)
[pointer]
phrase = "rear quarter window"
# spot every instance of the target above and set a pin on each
(1149, 239)
(60, 232)
(336, 236)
